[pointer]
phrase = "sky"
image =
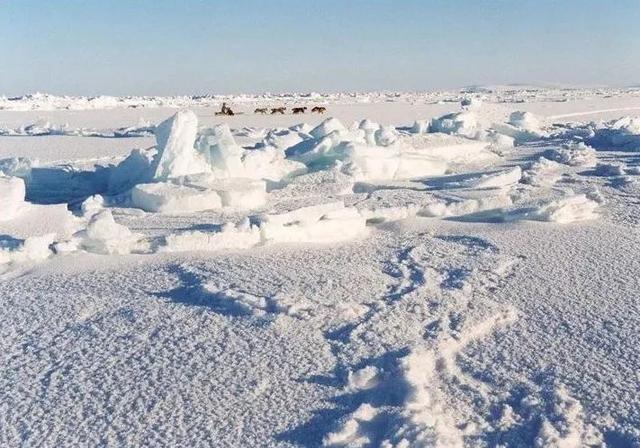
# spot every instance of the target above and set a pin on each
(186, 47)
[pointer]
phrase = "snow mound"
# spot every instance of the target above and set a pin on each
(238, 302)
(283, 139)
(32, 249)
(324, 183)
(350, 433)
(92, 205)
(384, 214)
(385, 136)
(472, 103)
(567, 210)
(459, 123)
(609, 169)
(450, 148)
(521, 126)
(496, 140)
(231, 237)
(181, 151)
(270, 164)
(199, 192)
(363, 379)
(623, 133)
(320, 224)
(566, 427)
(167, 197)
(325, 223)
(104, 236)
(326, 143)
(524, 120)
(327, 127)
(543, 172)
(573, 154)
(393, 162)
(238, 193)
(303, 128)
(12, 194)
(500, 179)
(463, 207)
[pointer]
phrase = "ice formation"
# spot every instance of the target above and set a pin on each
(12, 194)
(567, 210)
(369, 151)
(104, 236)
(499, 179)
(193, 172)
(325, 223)
(521, 126)
(573, 154)
(459, 123)
(167, 197)
(623, 133)
(238, 193)
(42, 128)
(231, 237)
(318, 224)
(393, 162)
(327, 127)
(92, 205)
(444, 209)
(176, 155)
(609, 169)
(524, 120)
(466, 124)
(542, 172)
(31, 250)
(472, 103)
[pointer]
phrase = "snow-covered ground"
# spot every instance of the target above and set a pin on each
(413, 269)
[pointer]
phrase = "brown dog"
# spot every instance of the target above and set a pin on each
(260, 110)
(319, 109)
(278, 110)
(299, 110)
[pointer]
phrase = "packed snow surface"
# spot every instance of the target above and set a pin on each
(438, 269)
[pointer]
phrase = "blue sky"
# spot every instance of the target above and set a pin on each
(188, 47)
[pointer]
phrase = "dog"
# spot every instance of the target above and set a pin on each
(319, 109)
(278, 110)
(260, 110)
(299, 110)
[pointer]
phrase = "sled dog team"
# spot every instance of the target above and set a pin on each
(226, 110)
(294, 110)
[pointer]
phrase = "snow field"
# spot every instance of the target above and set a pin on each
(466, 281)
